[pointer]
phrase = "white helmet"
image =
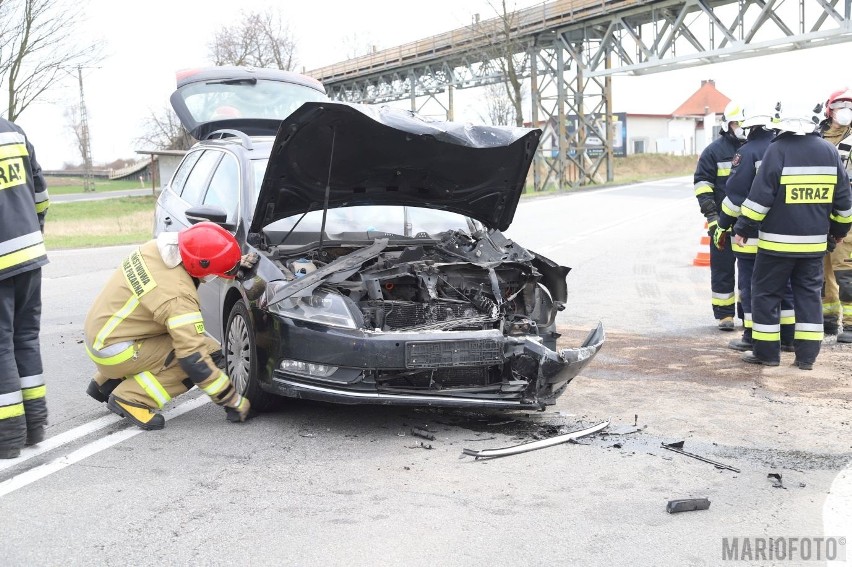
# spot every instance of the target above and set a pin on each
(761, 114)
(799, 118)
(733, 113)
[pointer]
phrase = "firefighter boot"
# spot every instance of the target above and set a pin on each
(726, 324)
(142, 416)
(751, 359)
(35, 435)
(101, 392)
(741, 345)
(10, 453)
(845, 337)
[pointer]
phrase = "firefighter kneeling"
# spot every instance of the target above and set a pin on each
(145, 332)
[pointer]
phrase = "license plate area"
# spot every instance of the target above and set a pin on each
(448, 354)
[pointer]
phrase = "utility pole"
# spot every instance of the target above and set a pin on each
(85, 143)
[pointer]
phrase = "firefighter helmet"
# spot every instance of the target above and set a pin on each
(761, 114)
(842, 95)
(799, 118)
(733, 113)
(207, 249)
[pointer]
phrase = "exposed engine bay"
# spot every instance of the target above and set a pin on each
(462, 282)
(455, 314)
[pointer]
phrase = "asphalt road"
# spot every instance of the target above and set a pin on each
(317, 484)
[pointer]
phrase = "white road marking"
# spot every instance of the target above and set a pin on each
(92, 448)
(52, 443)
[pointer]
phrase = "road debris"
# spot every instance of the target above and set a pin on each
(687, 505)
(420, 445)
(417, 432)
(541, 444)
(677, 447)
(776, 480)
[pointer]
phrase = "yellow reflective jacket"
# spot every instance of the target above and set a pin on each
(145, 298)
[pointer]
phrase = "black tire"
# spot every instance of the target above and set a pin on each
(241, 361)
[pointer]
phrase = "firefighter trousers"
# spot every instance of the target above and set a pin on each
(22, 391)
(151, 377)
(745, 270)
(770, 278)
(722, 282)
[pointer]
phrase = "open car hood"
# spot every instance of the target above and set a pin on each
(379, 155)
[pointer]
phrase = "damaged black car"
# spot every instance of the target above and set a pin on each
(384, 276)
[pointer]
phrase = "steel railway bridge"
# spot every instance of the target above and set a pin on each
(568, 51)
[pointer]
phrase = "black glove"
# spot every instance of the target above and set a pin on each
(831, 244)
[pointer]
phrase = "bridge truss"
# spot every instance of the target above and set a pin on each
(566, 51)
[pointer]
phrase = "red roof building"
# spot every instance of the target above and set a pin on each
(704, 101)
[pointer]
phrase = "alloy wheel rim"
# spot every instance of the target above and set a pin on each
(239, 358)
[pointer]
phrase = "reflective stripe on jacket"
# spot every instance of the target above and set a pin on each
(800, 194)
(23, 204)
(745, 164)
(713, 169)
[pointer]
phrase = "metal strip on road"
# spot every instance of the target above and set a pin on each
(38, 473)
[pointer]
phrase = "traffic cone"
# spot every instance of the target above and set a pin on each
(702, 257)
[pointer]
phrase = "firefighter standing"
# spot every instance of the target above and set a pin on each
(711, 174)
(837, 293)
(758, 122)
(23, 206)
(800, 198)
(145, 332)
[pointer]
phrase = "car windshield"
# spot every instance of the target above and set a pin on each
(254, 98)
(386, 219)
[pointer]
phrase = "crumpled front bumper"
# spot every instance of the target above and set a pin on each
(362, 355)
(557, 369)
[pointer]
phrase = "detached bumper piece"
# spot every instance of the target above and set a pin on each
(541, 444)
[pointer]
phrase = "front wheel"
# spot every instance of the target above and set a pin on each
(241, 358)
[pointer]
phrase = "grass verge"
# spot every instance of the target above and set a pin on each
(69, 185)
(108, 222)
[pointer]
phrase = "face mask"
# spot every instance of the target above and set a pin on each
(843, 116)
(739, 133)
(208, 279)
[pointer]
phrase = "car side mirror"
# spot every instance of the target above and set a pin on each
(210, 213)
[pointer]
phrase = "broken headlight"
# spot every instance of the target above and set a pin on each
(321, 307)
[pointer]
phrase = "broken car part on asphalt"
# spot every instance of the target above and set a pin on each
(677, 447)
(541, 444)
(687, 505)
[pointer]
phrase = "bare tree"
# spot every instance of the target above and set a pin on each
(39, 47)
(163, 131)
(507, 46)
(260, 39)
(498, 106)
(74, 123)
(355, 45)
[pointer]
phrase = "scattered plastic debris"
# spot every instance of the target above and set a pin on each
(417, 432)
(775, 478)
(687, 505)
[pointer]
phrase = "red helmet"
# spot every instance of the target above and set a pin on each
(842, 94)
(207, 249)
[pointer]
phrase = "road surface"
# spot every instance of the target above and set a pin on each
(316, 484)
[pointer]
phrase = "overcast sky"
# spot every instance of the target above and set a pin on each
(147, 45)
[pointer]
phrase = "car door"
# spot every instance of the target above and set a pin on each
(222, 191)
(185, 190)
